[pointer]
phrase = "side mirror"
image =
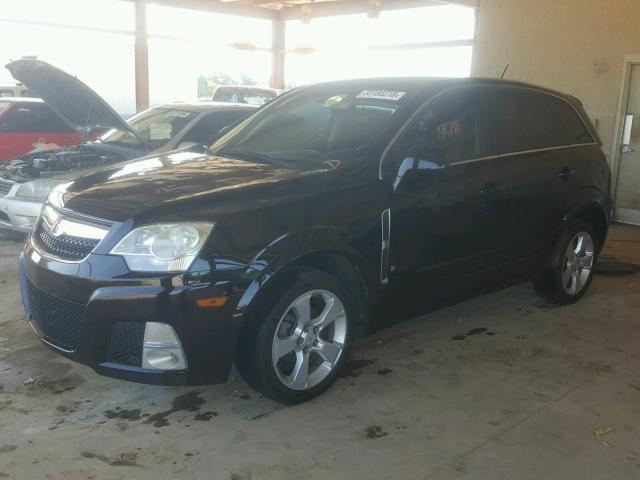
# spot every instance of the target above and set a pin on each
(416, 169)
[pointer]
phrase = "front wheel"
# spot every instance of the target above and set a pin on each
(570, 266)
(302, 342)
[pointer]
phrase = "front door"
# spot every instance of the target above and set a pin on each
(445, 195)
(627, 202)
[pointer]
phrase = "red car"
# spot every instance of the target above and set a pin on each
(29, 125)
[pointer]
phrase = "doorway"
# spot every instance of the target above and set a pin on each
(627, 149)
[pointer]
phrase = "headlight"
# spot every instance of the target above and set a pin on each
(166, 247)
(37, 188)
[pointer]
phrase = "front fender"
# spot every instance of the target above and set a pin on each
(290, 247)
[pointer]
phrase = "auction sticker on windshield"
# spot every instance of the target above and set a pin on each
(381, 94)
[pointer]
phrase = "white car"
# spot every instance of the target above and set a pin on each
(26, 181)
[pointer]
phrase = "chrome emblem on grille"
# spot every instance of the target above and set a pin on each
(57, 228)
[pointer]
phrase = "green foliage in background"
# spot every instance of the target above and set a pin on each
(207, 84)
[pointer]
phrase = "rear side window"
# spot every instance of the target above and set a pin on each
(447, 131)
(524, 120)
(574, 131)
(32, 118)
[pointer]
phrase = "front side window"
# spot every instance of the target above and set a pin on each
(315, 127)
(447, 131)
(524, 119)
(156, 127)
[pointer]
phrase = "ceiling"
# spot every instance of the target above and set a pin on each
(301, 9)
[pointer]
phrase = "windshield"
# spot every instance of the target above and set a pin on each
(156, 127)
(313, 127)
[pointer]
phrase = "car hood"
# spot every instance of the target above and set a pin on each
(66, 95)
(170, 184)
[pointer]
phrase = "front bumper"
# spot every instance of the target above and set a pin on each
(98, 297)
(19, 214)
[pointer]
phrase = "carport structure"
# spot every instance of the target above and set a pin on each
(278, 13)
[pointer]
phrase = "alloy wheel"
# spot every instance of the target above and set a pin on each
(578, 262)
(309, 339)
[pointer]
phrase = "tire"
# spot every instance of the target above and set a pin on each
(285, 332)
(566, 278)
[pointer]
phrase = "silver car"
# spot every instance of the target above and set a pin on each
(26, 181)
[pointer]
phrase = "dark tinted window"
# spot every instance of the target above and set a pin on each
(32, 117)
(447, 131)
(208, 127)
(524, 120)
(573, 129)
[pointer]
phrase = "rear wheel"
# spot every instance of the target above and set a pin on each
(302, 342)
(570, 266)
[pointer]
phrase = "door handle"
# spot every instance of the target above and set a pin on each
(566, 173)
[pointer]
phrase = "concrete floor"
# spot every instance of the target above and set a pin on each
(519, 401)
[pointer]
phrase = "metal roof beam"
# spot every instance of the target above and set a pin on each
(349, 7)
(217, 6)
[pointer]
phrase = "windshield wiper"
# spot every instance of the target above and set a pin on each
(244, 155)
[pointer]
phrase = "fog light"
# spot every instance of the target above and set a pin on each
(161, 348)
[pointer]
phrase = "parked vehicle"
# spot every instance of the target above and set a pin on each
(29, 125)
(330, 206)
(244, 94)
(15, 90)
(26, 181)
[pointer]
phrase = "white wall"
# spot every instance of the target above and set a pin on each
(575, 46)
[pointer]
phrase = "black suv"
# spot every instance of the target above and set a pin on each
(305, 221)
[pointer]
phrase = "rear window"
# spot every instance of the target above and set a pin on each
(524, 120)
(574, 131)
(32, 117)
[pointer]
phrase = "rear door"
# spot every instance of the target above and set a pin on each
(446, 198)
(539, 169)
(31, 127)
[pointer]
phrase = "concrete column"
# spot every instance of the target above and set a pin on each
(277, 49)
(141, 57)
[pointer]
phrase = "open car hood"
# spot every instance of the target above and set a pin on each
(66, 95)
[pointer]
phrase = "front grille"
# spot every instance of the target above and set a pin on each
(125, 343)
(58, 319)
(5, 186)
(63, 246)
